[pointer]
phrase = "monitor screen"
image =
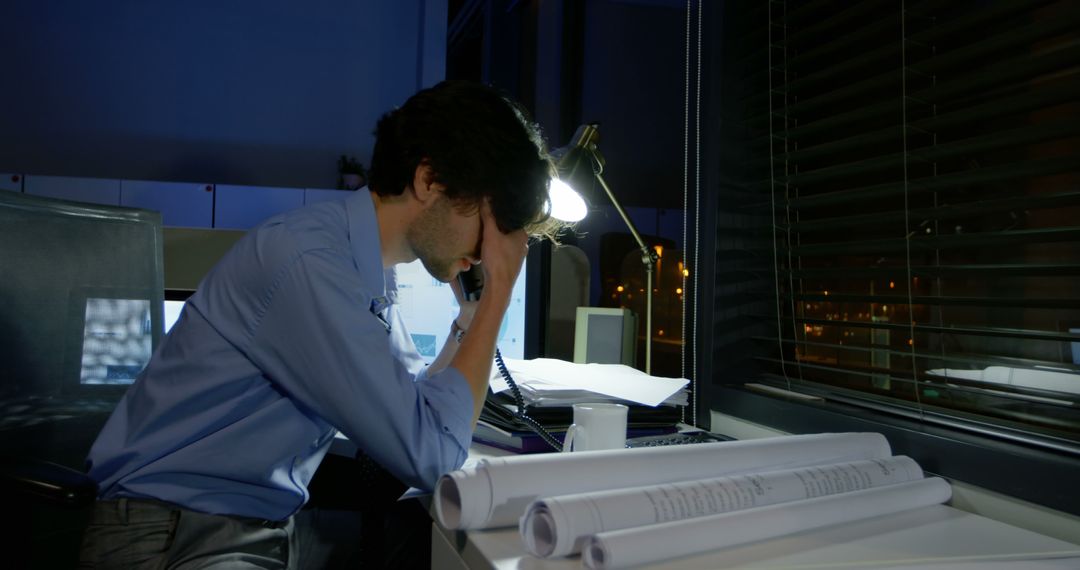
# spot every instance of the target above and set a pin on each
(173, 306)
(172, 313)
(428, 307)
(117, 340)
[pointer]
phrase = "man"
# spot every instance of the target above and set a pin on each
(294, 337)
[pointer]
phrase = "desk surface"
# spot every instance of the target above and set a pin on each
(939, 533)
(933, 534)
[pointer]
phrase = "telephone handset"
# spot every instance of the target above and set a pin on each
(472, 283)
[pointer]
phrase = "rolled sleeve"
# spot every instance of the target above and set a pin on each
(449, 392)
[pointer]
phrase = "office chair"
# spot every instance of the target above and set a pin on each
(72, 272)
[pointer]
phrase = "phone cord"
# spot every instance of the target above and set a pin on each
(520, 401)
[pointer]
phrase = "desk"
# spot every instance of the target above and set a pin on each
(935, 533)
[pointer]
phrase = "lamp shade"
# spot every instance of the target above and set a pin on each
(579, 161)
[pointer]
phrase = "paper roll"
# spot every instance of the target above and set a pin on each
(497, 491)
(559, 526)
(655, 543)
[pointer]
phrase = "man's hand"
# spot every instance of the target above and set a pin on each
(501, 258)
(501, 254)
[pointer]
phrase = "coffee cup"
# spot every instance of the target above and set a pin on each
(597, 426)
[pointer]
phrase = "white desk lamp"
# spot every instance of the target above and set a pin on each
(573, 159)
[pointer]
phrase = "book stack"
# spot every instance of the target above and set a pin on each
(620, 508)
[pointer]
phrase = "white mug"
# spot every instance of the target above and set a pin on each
(597, 426)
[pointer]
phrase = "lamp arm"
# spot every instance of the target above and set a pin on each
(648, 255)
(648, 259)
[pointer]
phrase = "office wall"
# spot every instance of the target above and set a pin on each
(259, 93)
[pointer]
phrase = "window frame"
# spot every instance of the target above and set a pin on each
(989, 457)
(1022, 471)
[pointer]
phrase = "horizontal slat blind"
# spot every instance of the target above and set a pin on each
(904, 228)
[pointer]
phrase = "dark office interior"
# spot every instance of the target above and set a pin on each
(867, 211)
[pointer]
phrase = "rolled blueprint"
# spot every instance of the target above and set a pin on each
(654, 543)
(496, 491)
(559, 526)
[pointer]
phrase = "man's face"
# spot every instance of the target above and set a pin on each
(446, 238)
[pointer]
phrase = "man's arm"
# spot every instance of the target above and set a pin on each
(461, 322)
(502, 256)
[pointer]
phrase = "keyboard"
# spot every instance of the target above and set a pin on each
(679, 438)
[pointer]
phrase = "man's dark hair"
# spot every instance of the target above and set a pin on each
(478, 143)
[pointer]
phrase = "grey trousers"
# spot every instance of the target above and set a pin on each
(137, 534)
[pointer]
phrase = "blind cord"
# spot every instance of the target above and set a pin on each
(696, 247)
(772, 200)
(686, 198)
(907, 210)
(697, 217)
(787, 215)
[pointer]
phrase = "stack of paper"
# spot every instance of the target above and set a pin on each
(551, 382)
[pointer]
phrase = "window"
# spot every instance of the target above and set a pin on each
(898, 222)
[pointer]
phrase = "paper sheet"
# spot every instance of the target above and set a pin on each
(1051, 379)
(654, 543)
(496, 491)
(615, 380)
(559, 526)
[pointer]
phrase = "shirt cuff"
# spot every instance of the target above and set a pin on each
(455, 403)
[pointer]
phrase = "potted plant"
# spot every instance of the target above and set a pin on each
(352, 173)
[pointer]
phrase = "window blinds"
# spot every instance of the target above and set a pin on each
(901, 226)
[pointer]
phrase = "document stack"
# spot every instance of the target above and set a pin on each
(548, 382)
(549, 387)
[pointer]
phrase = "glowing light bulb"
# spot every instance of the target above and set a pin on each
(566, 204)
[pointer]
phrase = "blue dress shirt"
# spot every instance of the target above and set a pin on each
(292, 336)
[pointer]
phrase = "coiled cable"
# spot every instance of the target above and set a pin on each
(519, 401)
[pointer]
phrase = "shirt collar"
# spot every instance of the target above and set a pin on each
(365, 243)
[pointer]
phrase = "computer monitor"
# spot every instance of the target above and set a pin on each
(173, 306)
(172, 313)
(428, 308)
